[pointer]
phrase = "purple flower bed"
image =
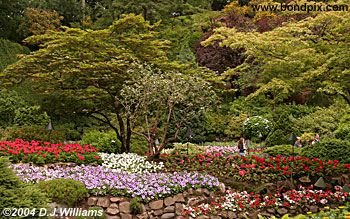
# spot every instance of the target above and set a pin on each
(100, 180)
(223, 150)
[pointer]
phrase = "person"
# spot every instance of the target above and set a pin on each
(298, 142)
(241, 146)
(316, 139)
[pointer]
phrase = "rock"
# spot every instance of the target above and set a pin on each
(116, 199)
(103, 202)
(190, 191)
(231, 215)
(143, 208)
(112, 217)
(179, 198)
(158, 212)
(125, 216)
(178, 208)
(192, 201)
(168, 216)
(206, 192)
(155, 205)
(199, 191)
(92, 201)
(114, 205)
(282, 211)
(314, 209)
(142, 216)
(169, 209)
(271, 210)
(265, 214)
(222, 214)
(186, 194)
(215, 217)
(222, 188)
(203, 217)
(169, 201)
(124, 207)
(112, 211)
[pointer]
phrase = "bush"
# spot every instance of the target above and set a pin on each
(257, 127)
(29, 133)
(343, 130)
(323, 121)
(135, 207)
(64, 191)
(16, 194)
(284, 150)
(104, 141)
(138, 145)
(329, 149)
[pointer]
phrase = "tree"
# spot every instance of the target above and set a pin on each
(9, 51)
(10, 16)
(157, 99)
(38, 21)
(90, 67)
(310, 54)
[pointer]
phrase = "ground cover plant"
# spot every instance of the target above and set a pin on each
(45, 152)
(101, 181)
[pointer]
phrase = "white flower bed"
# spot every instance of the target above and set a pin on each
(130, 162)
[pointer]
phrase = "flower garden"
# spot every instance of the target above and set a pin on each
(253, 186)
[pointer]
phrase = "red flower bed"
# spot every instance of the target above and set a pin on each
(290, 199)
(46, 152)
(255, 168)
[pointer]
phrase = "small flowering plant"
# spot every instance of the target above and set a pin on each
(45, 152)
(257, 127)
(130, 162)
(100, 180)
(243, 201)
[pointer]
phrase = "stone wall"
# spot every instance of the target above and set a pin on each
(167, 208)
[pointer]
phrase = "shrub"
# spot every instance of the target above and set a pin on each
(32, 132)
(329, 149)
(104, 141)
(256, 127)
(343, 130)
(64, 191)
(138, 145)
(284, 150)
(135, 207)
(16, 194)
(323, 121)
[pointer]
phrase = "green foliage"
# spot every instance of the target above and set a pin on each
(184, 32)
(90, 67)
(343, 130)
(235, 126)
(64, 191)
(9, 51)
(284, 150)
(10, 101)
(30, 115)
(311, 57)
(158, 99)
(285, 122)
(135, 206)
(32, 132)
(329, 149)
(256, 127)
(104, 141)
(16, 194)
(138, 145)
(322, 121)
